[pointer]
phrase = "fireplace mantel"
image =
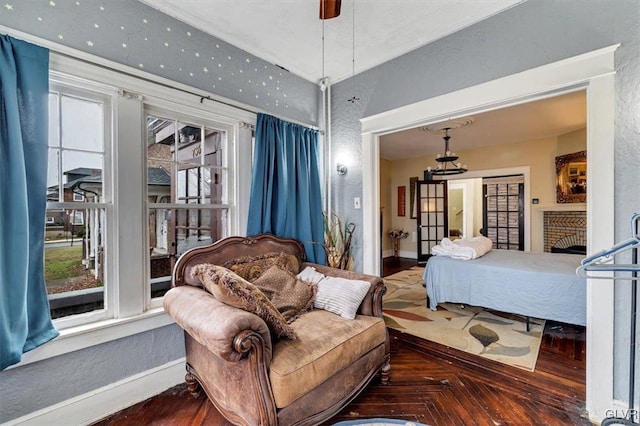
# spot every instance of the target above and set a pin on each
(569, 207)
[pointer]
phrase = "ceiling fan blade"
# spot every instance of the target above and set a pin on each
(329, 9)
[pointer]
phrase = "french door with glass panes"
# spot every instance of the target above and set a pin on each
(503, 211)
(432, 216)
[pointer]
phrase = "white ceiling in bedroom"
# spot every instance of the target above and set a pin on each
(525, 122)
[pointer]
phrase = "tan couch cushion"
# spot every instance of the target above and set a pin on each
(326, 344)
(232, 290)
(252, 267)
(290, 296)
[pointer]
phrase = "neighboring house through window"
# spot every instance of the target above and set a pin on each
(74, 261)
(99, 234)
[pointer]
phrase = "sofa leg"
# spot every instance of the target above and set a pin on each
(385, 370)
(192, 385)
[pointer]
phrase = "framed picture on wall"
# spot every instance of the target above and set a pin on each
(412, 196)
(402, 193)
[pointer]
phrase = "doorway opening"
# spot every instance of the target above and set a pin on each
(593, 71)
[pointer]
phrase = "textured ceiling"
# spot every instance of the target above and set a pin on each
(525, 122)
(289, 33)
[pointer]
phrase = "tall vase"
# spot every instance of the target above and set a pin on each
(396, 247)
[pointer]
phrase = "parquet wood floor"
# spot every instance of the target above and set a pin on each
(432, 384)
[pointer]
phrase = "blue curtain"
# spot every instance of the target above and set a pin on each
(285, 185)
(25, 321)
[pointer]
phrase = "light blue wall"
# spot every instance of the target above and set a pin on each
(532, 34)
(231, 73)
(132, 33)
(41, 384)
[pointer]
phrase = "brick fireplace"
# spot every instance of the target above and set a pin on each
(564, 229)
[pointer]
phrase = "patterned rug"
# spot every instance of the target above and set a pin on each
(378, 422)
(471, 329)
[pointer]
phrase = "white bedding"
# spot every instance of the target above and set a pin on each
(463, 248)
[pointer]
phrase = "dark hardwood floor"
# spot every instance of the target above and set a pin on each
(391, 265)
(432, 384)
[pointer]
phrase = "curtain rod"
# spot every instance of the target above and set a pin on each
(169, 86)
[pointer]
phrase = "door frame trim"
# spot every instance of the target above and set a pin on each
(593, 71)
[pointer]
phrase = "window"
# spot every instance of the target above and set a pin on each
(76, 201)
(187, 190)
(77, 217)
(112, 225)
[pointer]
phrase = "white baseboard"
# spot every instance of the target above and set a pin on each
(99, 403)
(387, 253)
(408, 254)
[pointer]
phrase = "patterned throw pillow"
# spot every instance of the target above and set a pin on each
(251, 267)
(232, 290)
(289, 295)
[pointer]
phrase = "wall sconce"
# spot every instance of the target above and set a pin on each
(341, 169)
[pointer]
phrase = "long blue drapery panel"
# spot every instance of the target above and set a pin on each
(285, 186)
(25, 321)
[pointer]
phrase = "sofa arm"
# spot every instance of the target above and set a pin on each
(222, 329)
(372, 303)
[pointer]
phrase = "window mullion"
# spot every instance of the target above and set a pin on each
(59, 149)
(129, 216)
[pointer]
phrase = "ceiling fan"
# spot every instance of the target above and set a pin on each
(329, 9)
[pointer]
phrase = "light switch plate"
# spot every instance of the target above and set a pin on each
(356, 203)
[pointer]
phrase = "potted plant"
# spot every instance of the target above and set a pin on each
(337, 241)
(396, 235)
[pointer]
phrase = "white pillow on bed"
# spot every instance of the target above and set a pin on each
(338, 295)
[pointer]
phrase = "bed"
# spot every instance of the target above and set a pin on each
(538, 285)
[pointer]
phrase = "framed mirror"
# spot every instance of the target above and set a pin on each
(571, 178)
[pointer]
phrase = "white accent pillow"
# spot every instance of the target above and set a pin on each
(309, 274)
(338, 295)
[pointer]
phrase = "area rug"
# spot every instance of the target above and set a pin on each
(378, 422)
(502, 338)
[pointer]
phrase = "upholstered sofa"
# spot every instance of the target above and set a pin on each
(254, 378)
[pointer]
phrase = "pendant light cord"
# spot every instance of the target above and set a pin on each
(353, 39)
(322, 3)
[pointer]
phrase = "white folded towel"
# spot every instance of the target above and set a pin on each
(463, 248)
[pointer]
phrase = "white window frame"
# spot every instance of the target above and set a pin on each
(129, 88)
(78, 197)
(69, 85)
(189, 116)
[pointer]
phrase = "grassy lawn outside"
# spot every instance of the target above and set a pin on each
(63, 262)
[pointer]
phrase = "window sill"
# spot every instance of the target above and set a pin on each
(87, 335)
